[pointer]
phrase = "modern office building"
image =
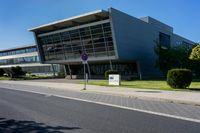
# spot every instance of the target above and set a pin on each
(112, 39)
(27, 58)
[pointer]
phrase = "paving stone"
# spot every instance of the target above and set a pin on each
(183, 110)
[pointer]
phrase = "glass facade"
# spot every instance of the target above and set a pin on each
(21, 60)
(19, 51)
(40, 69)
(99, 69)
(95, 40)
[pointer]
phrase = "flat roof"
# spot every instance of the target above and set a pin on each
(19, 47)
(71, 21)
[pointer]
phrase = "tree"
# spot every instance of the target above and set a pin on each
(2, 72)
(195, 57)
(174, 57)
(195, 54)
(15, 72)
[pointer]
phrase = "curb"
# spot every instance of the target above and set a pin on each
(146, 98)
(123, 95)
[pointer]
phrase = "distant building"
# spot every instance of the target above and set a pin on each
(27, 58)
(112, 39)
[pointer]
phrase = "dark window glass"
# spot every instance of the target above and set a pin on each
(56, 38)
(95, 40)
(21, 60)
(20, 51)
(164, 40)
(96, 27)
(65, 36)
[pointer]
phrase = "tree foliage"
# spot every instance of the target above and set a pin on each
(175, 57)
(2, 72)
(15, 72)
(195, 54)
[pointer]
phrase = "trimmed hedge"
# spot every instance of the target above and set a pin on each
(110, 72)
(179, 78)
(61, 75)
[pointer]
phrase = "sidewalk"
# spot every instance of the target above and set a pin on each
(149, 101)
(192, 98)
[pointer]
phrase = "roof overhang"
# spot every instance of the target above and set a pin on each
(72, 21)
(19, 47)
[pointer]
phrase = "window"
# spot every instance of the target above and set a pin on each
(21, 60)
(20, 51)
(186, 43)
(164, 40)
(95, 40)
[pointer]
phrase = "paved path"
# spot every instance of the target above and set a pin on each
(192, 97)
(163, 107)
(24, 112)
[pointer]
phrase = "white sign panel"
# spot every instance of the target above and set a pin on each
(114, 79)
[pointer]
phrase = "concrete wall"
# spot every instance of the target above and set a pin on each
(177, 40)
(157, 23)
(135, 40)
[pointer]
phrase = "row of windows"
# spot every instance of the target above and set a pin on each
(20, 51)
(99, 69)
(39, 69)
(77, 35)
(94, 40)
(21, 60)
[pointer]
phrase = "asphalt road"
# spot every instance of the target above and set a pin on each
(26, 112)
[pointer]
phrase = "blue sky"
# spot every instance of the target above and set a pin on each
(16, 16)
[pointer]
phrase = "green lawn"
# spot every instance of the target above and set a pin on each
(146, 84)
(4, 78)
(25, 78)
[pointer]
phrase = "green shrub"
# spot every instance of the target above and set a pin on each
(179, 78)
(110, 72)
(2, 72)
(33, 75)
(16, 72)
(61, 75)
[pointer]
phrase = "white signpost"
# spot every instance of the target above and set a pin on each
(114, 79)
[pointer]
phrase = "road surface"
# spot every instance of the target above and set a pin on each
(26, 112)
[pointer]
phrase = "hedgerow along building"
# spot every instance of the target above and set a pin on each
(112, 39)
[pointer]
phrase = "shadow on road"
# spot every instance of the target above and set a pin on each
(18, 126)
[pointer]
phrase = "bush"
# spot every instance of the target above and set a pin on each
(15, 72)
(61, 75)
(179, 78)
(1, 72)
(33, 75)
(110, 72)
